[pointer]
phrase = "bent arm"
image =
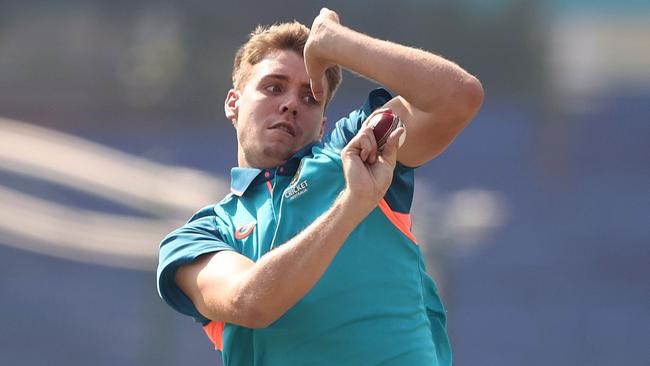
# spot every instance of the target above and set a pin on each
(229, 287)
(437, 98)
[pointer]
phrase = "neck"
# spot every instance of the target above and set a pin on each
(267, 163)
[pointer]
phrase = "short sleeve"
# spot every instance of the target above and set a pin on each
(201, 235)
(347, 127)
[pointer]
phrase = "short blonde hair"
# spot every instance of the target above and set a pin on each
(266, 39)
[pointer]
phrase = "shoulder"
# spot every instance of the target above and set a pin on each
(216, 210)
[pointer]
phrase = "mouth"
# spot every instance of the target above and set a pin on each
(284, 127)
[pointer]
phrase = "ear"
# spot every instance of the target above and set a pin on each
(322, 127)
(231, 106)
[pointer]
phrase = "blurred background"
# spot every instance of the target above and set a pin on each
(535, 222)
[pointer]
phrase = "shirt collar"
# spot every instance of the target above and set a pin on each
(242, 178)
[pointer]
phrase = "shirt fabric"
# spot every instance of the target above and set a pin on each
(374, 305)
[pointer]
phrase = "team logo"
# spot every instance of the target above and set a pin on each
(296, 190)
(244, 230)
(297, 175)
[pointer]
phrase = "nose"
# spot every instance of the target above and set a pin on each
(290, 105)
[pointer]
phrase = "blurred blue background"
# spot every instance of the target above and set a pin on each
(535, 222)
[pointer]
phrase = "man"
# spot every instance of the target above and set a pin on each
(310, 260)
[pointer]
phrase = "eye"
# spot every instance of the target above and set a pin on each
(273, 88)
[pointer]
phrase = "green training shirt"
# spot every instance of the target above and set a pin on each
(375, 304)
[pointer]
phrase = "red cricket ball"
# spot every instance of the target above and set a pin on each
(383, 124)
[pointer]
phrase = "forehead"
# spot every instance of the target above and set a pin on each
(286, 63)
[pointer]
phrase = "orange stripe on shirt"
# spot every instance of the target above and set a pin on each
(214, 330)
(401, 220)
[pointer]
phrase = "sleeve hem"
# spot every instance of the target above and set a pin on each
(174, 296)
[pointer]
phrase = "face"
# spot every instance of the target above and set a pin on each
(275, 113)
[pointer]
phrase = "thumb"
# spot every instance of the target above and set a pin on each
(389, 150)
(317, 88)
(316, 76)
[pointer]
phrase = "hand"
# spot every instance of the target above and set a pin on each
(368, 174)
(315, 54)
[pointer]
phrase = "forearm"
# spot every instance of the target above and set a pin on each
(284, 275)
(436, 98)
(425, 80)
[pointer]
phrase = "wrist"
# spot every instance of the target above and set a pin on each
(355, 206)
(324, 39)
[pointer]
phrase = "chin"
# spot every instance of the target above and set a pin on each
(276, 155)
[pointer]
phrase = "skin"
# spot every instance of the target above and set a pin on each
(436, 100)
(275, 113)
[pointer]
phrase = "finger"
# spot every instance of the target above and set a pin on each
(366, 149)
(389, 152)
(369, 137)
(316, 73)
(316, 84)
(372, 156)
(363, 145)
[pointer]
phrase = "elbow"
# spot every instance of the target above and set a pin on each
(476, 93)
(461, 103)
(258, 318)
(250, 313)
(470, 97)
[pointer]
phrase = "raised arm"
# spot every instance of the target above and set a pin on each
(436, 98)
(229, 287)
